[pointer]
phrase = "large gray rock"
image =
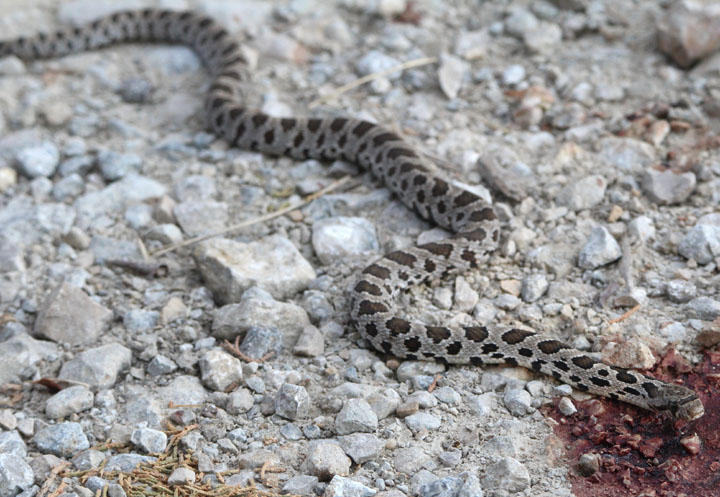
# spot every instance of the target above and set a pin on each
(257, 308)
(326, 459)
(15, 475)
(69, 401)
(98, 367)
(70, 316)
(689, 31)
(62, 439)
(337, 238)
(272, 263)
(19, 355)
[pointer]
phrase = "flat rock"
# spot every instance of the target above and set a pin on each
(667, 187)
(68, 401)
(583, 194)
(15, 475)
(361, 447)
(20, 353)
(199, 217)
(117, 196)
(272, 263)
(506, 474)
(338, 238)
(258, 308)
(219, 370)
(326, 459)
(62, 439)
(183, 390)
(701, 243)
(98, 367)
(688, 31)
(70, 316)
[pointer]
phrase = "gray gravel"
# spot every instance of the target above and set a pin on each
(579, 125)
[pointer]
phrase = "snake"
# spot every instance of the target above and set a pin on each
(473, 223)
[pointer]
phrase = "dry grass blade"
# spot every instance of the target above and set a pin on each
(191, 241)
(150, 479)
(626, 315)
(423, 61)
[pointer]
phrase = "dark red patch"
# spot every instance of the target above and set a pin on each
(641, 453)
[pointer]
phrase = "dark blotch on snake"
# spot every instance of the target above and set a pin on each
(383, 138)
(624, 376)
(377, 271)
(516, 336)
(367, 287)
(437, 333)
(489, 347)
(561, 365)
(287, 124)
(368, 307)
(601, 382)
(476, 334)
(259, 119)
(551, 346)
(371, 329)
(362, 128)
(584, 362)
(412, 344)
(402, 258)
(398, 325)
(454, 348)
(651, 389)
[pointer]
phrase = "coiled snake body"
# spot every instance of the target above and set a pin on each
(373, 311)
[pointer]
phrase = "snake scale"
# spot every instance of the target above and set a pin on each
(472, 221)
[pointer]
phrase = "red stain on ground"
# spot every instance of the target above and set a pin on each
(649, 455)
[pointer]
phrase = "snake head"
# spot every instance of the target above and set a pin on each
(679, 401)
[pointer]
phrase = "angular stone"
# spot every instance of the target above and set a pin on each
(258, 308)
(326, 459)
(68, 401)
(667, 187)
(98, 367)
(219, 370)
(583, 194)
(345, 487)
(125, 463)
(70, 316)
(688, 31)
(272, 263)
(149, 440)
(701, 243)
(361, 447)
(508, 475)
(20, 354)
(601, 248)
(338, 238)
(15, 475)
(62, 439)
(311, 343)
(198, 217)
(356, 416)
(12, 443)
(292, 402)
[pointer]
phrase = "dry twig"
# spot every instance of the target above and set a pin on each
(191, 241)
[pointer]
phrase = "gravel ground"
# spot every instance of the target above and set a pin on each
(599, 150)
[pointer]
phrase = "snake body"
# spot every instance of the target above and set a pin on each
(472, 221)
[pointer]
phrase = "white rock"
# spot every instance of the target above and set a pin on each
(273, 264)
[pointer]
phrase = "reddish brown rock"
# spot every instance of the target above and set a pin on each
(690, 30)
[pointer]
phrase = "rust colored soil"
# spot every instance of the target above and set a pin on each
(646, 455)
